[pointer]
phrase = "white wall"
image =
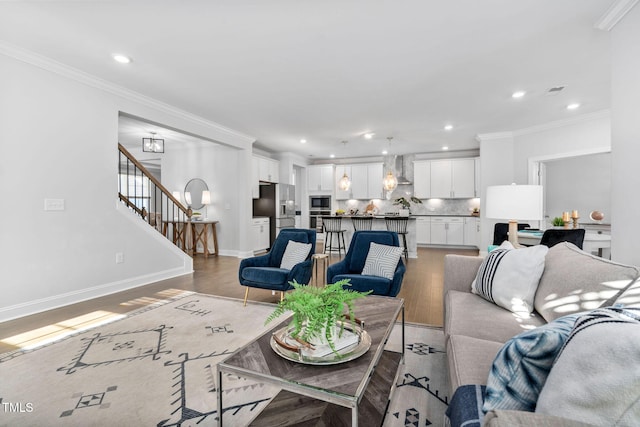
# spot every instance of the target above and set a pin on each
(59, 140)
(625, 114)
(496, 168)
(582, 183)
(506, 157)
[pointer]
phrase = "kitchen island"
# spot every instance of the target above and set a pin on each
(379, 224)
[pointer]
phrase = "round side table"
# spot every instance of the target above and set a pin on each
(320, 264)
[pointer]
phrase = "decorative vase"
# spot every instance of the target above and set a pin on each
(404, 212)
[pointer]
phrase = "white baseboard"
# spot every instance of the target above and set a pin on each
(57, 301)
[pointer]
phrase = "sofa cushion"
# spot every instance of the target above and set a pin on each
(469, 360)
(502, 418)
(509, 277)
(630, 296)
(295, 253)
(596, 377)
(575, 281)
(522, 365)
(382, 260)
(470, 315)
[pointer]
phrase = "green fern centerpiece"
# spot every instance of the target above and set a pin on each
(316, 310)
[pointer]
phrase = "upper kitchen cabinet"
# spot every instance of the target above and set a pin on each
(268, 170)
(422, 179)
(366, 181)
(320, 179)
(453, 179)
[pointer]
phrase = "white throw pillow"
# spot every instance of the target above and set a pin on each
(382, 260)
(596, 377)
(509, 277)
(295, 253)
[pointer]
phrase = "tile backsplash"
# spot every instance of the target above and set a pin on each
(428, 206)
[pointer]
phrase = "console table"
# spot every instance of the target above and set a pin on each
(187, 234)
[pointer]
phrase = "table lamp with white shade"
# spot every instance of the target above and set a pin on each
(206, 200)
(514, 203)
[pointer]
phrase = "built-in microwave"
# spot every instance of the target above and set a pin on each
(320, 202)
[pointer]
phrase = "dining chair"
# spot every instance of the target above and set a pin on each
(501, 232)
(553, 236)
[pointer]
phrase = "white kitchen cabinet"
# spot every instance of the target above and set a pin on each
(453, 178)
(340, 171)
(472, 231)
(320, 178)
(268, 170)
(260, 228)
(423, 230)
(366, 181)
(422, 179)
(447, 230)
(375, 175)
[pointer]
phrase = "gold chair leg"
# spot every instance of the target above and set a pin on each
(246, 294)
(281, 296)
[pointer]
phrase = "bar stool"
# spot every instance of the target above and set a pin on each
(362, 223)
(333, 225)
(398, 224)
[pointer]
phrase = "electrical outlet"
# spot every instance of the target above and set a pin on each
(53, 204)
(119, 257)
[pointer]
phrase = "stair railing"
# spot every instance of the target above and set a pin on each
(143, 193)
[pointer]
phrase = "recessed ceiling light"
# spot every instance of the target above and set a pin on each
(445, 148)
(122, 59)
(332, 155)
(518, 94)
(385, 152)
(448, 127)
(303, 141)
(368, 135)
(573, 106)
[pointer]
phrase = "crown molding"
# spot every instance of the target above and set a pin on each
(614, 14)
(56, 67)
(544, 127)
(562, 123)
(493, 136)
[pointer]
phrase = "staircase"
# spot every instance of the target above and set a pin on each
(143, 193)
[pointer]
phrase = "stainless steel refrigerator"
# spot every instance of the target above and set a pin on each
(286, 208)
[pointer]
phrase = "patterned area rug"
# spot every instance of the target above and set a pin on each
(156, 367)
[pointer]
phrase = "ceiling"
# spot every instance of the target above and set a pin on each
(330, 71)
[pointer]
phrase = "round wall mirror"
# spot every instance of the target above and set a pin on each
(193, 193)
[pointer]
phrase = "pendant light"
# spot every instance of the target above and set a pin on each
(390, 182)
(345, 183)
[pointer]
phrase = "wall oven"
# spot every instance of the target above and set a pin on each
(315, 219)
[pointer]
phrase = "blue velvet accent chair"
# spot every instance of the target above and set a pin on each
(353, 263)
(264, 271)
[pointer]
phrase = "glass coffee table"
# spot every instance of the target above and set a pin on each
(350, 393)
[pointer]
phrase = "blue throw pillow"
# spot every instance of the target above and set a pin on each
(521, 366)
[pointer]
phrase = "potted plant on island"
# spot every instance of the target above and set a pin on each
(406, 204)
(318, 312)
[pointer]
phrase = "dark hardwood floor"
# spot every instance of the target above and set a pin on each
(421, 289)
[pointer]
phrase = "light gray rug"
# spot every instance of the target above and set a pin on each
(156, 367)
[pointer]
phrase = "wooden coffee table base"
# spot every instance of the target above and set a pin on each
(291, 409)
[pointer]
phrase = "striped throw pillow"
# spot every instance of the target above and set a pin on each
(295, 253)
(382, 260)
(509, 277)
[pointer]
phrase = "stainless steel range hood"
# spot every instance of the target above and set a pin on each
(402, 180)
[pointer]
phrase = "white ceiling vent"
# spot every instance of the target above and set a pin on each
(555, 90)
